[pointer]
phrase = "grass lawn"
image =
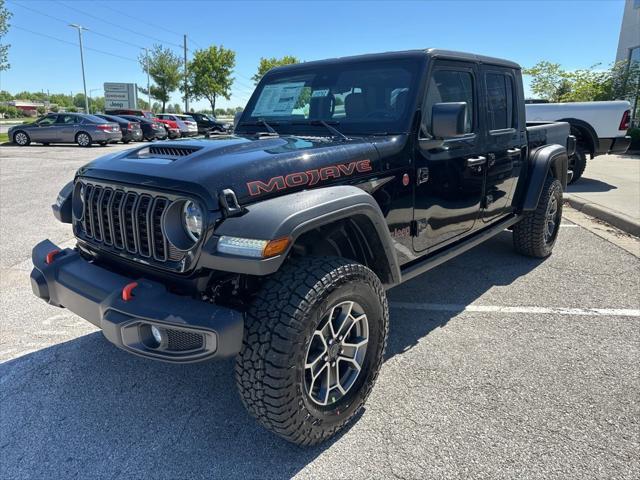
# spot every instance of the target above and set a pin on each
(18, 120)
(4, 137)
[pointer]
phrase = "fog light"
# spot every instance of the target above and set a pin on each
(157, 334)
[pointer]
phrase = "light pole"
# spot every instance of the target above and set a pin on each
(146, 55)
(84, 82)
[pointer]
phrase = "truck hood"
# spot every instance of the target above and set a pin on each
(254, 168)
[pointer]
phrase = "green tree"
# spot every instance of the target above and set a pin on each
(164, 68)
(550, 81)
(97, 104)
(142, 104)
(78, 100)
(5, 96)
(210, 74)
(5, 16)
(267, 64)
(41, 110)
(61, 100)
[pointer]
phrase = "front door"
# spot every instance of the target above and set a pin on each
(450, 178)
(505, 141)
(44, 132)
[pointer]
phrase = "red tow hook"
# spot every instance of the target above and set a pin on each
(127, 291)
(50, 256)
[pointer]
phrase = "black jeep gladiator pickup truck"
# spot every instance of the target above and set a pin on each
(276, 244)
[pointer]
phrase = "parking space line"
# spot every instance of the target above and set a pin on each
(443, 307)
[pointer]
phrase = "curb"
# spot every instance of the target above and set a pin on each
(620, 220)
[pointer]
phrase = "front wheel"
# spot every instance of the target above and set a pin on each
(83, 139)
(21, 138)
(535, 235)
(313, 345)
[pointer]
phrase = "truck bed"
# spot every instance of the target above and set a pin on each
(549, 133)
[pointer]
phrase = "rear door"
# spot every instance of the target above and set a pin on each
(505, 140)
(450, 178)
(66, 127)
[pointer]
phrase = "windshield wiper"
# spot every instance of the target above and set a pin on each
(269, 128)
(335, 131)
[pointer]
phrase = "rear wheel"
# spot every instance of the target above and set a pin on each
(577, 164)
(21, 138)
(83, 139)
(313, 345)
(535, 235)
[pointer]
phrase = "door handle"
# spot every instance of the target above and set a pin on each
(476, 161)
(512, 152)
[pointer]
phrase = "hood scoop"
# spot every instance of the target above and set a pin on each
(165, 152)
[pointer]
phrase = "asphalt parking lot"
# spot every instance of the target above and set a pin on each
(498, 366)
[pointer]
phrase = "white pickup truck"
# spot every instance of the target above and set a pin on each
(599, 127)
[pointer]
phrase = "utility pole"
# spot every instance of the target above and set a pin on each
(146, 54)
(84, 82)
(186, 83)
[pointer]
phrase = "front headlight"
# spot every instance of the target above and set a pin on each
(192, 216)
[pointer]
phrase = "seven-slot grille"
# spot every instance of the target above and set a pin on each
(127, 221)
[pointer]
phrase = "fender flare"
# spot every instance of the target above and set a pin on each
(588, 129)
(543, 159)
(291, 216)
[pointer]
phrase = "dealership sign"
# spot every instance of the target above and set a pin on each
(120, 95)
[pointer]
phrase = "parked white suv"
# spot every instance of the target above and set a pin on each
(599, 127)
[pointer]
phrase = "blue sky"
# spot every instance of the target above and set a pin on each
(576, 34)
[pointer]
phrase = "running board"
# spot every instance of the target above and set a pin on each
(448, 253)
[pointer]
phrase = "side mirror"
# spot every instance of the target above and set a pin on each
(236, 119)
(448, 119)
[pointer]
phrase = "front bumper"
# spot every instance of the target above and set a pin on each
(200, 330)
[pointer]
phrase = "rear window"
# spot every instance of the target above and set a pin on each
(500, 101)
(92, 119)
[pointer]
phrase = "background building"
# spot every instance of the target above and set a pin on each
(629, 45)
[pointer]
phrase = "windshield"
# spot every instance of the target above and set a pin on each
(362, 97)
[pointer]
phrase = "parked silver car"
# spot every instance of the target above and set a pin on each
(66, 128)
(187, 125)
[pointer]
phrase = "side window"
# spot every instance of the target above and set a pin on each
(450, 86)
(500, 110)
(67, 119)
(48, 120)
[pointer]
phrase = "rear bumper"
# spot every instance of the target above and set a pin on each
(614, 145)
(101, 136)
(132, 135)
(203, 331)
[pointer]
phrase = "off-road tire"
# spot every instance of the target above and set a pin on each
(529, 233)
(279, 327)
(577, 163)
(19, 136)
(81, 141)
